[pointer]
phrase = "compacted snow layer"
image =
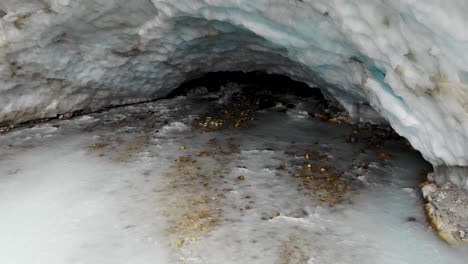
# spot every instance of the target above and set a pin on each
(408, 59)
(164, 182)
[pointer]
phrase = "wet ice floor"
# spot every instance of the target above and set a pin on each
(143, 184)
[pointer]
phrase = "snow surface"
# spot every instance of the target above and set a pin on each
(408, 59)
(107, 188)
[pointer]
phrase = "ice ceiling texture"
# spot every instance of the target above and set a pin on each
(408, 59)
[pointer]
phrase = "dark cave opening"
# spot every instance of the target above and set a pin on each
(255, 81)
(267, 90)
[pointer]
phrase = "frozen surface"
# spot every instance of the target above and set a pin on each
(407, 59)
(141, 184)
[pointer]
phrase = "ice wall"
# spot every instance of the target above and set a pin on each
(407, 58)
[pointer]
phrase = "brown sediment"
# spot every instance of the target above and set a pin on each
(225, 119)
(327, 117)
(98, 146)
(236, 114)
(117, 149)
(445, 232)
(384, 155)
(131, 148)
(203, 153)
(443, 214)
(191, 206)
(294, 250)
(322, 180)
(193, 193)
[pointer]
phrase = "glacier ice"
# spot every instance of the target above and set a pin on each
(407, 59)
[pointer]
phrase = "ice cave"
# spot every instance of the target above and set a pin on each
(233, 131)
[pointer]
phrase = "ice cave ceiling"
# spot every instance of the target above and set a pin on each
(407, 59)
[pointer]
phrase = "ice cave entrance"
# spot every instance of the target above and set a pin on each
(230, 167)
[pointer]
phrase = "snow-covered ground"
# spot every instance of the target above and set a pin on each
(196, 180)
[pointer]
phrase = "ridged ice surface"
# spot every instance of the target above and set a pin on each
(143, 185)
(408, 59)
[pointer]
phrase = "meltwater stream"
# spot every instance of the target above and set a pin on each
(200, 179)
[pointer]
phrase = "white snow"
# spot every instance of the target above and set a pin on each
(107, 188)
(59, 205)
(408, 59)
